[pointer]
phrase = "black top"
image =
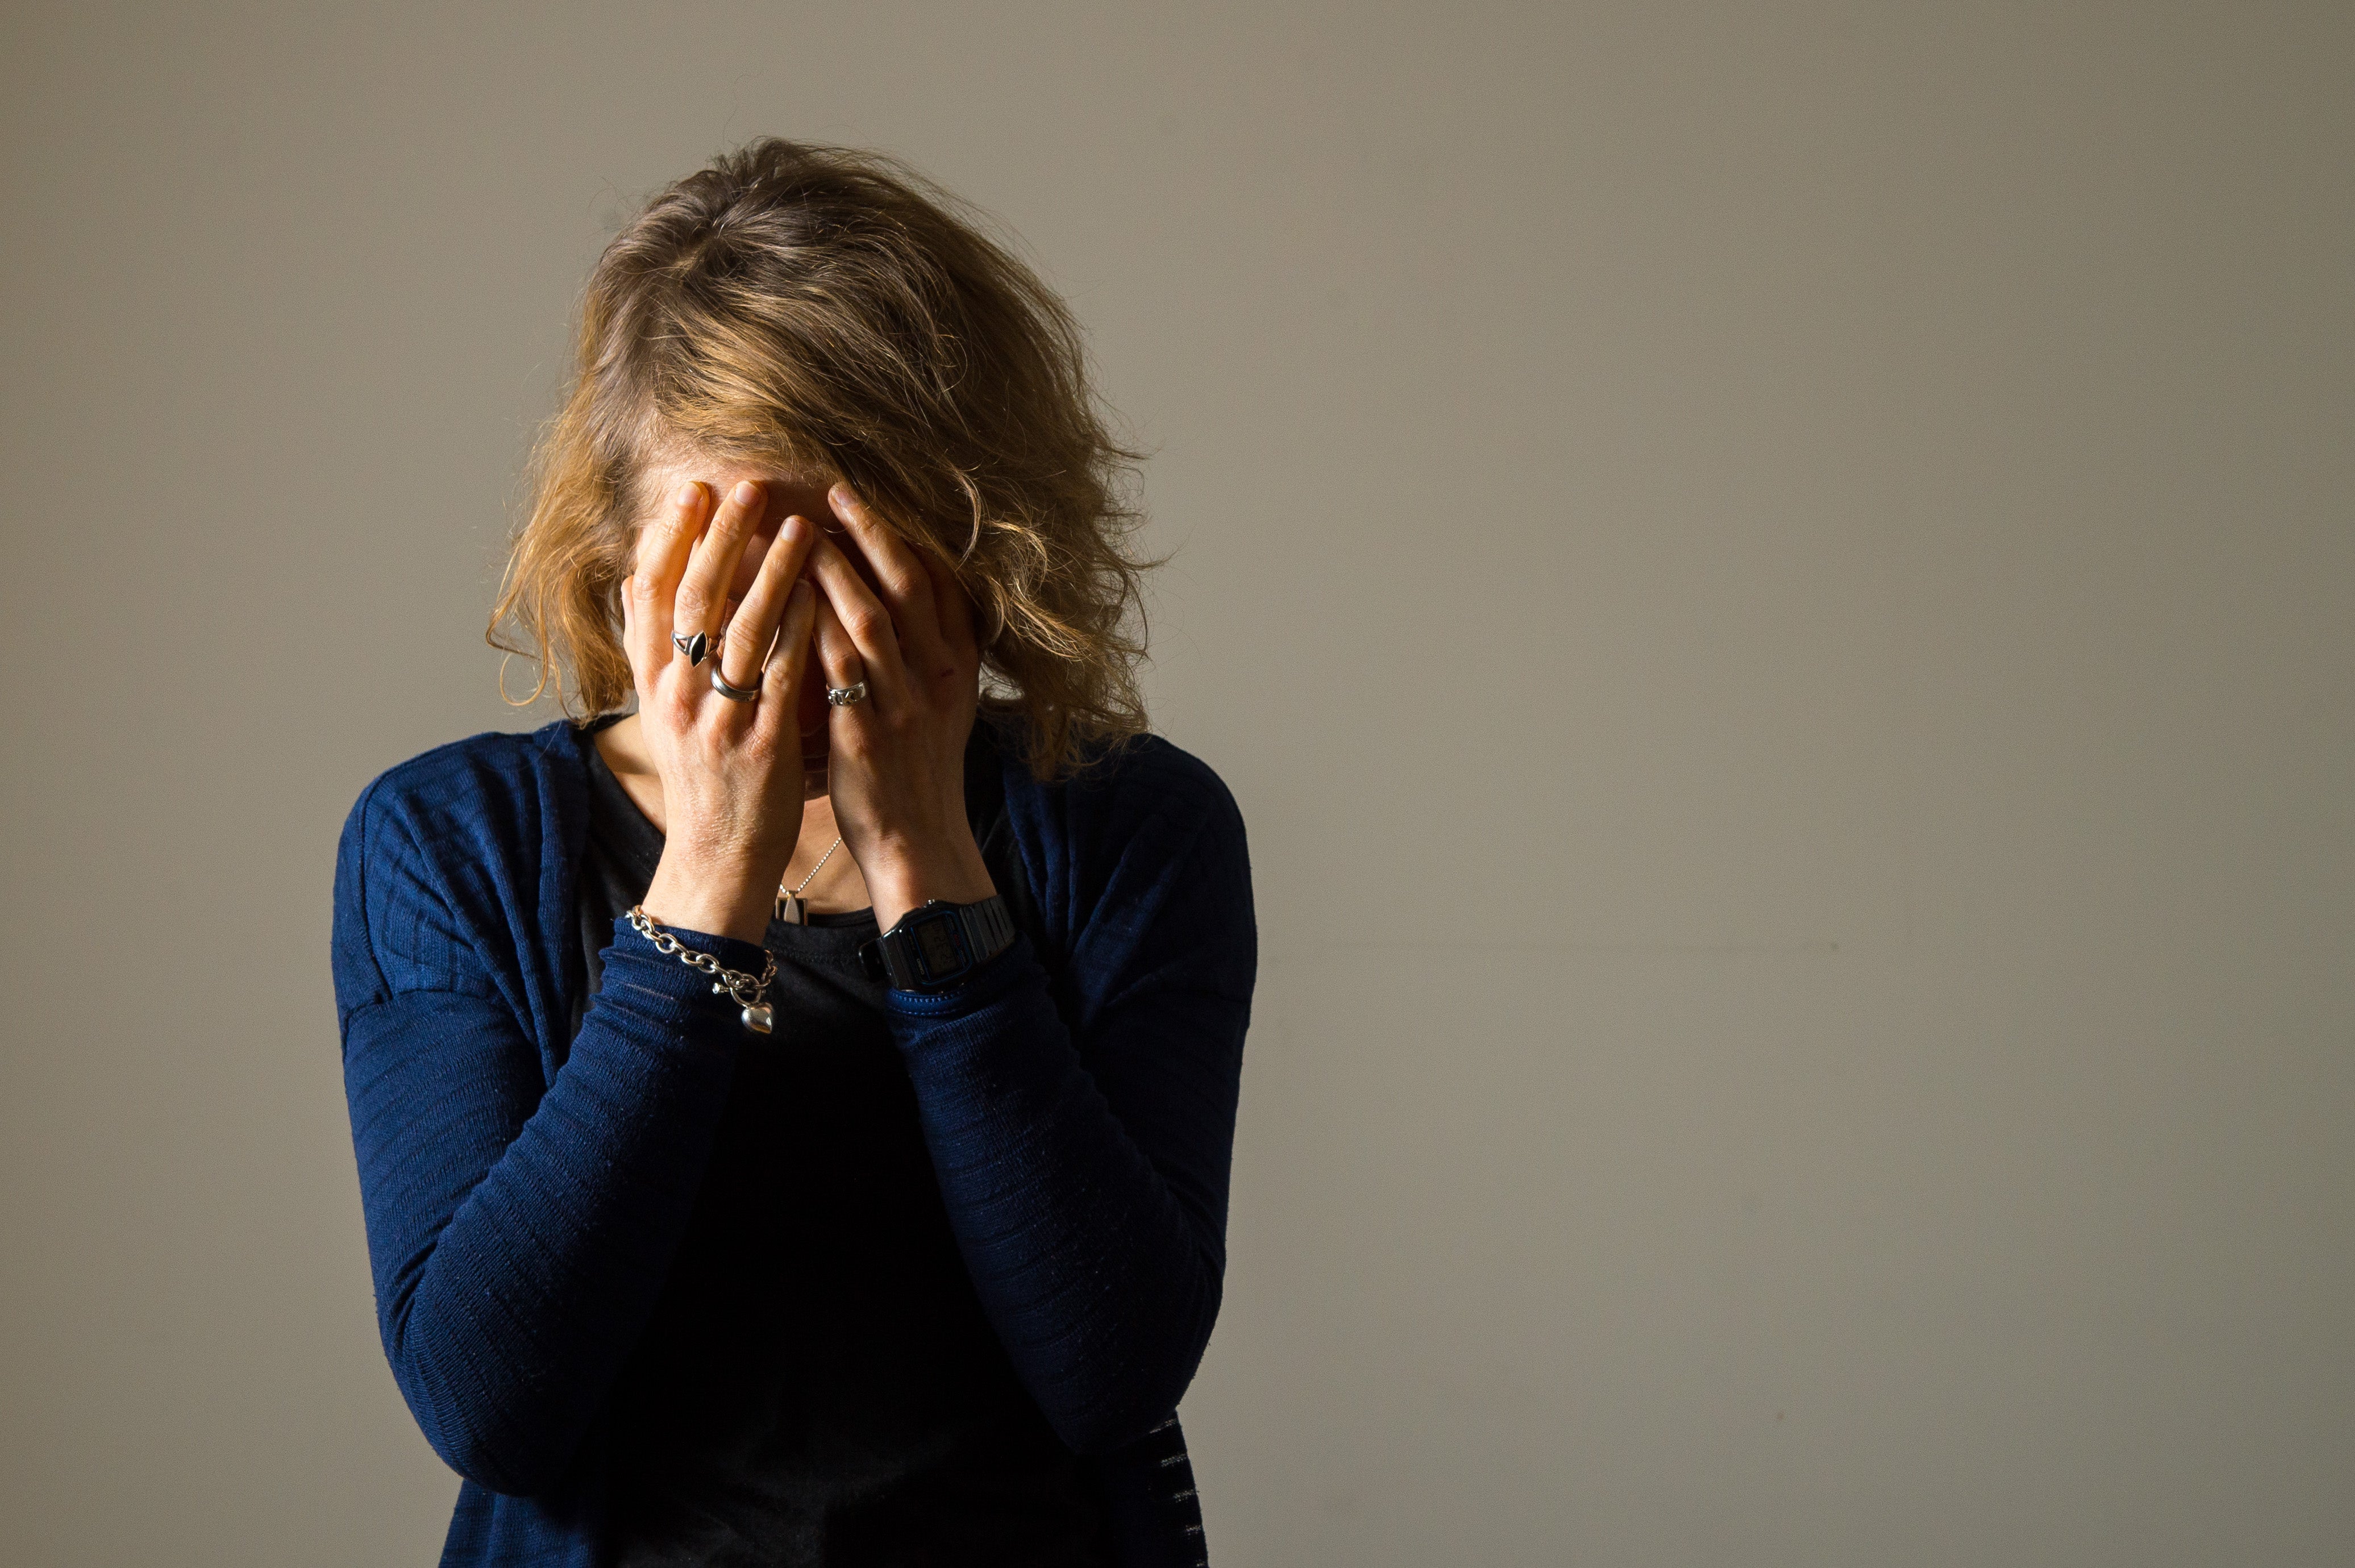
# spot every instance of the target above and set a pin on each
(849, 1404)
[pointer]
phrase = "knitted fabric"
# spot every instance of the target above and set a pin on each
(524, 1188)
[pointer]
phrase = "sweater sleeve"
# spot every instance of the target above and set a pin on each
(1084, 1161)
(520, 1230)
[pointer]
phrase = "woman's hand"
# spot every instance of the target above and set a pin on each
(895, 766)
(731, 772)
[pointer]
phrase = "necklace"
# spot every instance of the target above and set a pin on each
(792, 908)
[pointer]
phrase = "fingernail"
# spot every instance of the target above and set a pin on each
(688, 493)
(745, 493)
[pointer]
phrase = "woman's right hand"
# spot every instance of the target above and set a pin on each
(731, 772)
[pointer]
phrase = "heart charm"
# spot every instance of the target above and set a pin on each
(759, 1019)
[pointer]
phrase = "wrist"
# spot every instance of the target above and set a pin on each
(906, 878)
(733, 900)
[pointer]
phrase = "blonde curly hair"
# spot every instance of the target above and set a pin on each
(835, 314)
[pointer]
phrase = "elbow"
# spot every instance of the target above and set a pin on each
(512, 1469)
(484, 1436)
(1120, 1405)
(1096, 1433)
(1124, 1415)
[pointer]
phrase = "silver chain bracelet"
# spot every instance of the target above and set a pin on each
(749, 993)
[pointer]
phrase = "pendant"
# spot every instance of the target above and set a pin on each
(759, 1019)
(791, 908)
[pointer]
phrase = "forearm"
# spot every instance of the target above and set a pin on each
(1099, 1269)
(509, 1307)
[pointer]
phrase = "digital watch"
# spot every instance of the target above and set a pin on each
(936, 946)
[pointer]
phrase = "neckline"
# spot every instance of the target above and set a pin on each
(985, 791)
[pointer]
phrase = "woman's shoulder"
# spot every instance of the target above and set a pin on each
(1126, 784)
(492, 796)
(1142, 823)
(1136, 862)
(484, 773)
(443, 858)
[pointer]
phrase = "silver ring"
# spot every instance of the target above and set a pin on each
(732, 693)
(846, 695)
(694, 644)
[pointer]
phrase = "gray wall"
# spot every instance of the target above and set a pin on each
(1775, 584)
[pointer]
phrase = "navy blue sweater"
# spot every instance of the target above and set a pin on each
(525, 1187)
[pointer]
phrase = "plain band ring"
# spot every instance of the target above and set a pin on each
(846, 695)
(732, 693)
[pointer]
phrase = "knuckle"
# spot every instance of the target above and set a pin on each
(692, 599)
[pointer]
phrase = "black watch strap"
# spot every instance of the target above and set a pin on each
(936, 946)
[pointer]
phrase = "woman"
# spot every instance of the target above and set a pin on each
(793, 1116)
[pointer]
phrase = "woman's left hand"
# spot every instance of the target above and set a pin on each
(895, 766)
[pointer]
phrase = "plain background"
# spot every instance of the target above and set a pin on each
(1775, 584)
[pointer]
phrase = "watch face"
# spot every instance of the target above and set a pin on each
(937, 945)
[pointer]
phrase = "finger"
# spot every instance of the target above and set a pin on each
(837, 655)
(625, 591)
(859, 615)
(788, 666)
(755, 625)
(663, 546)
(907, 587)
(700, 603)
(955, 613)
